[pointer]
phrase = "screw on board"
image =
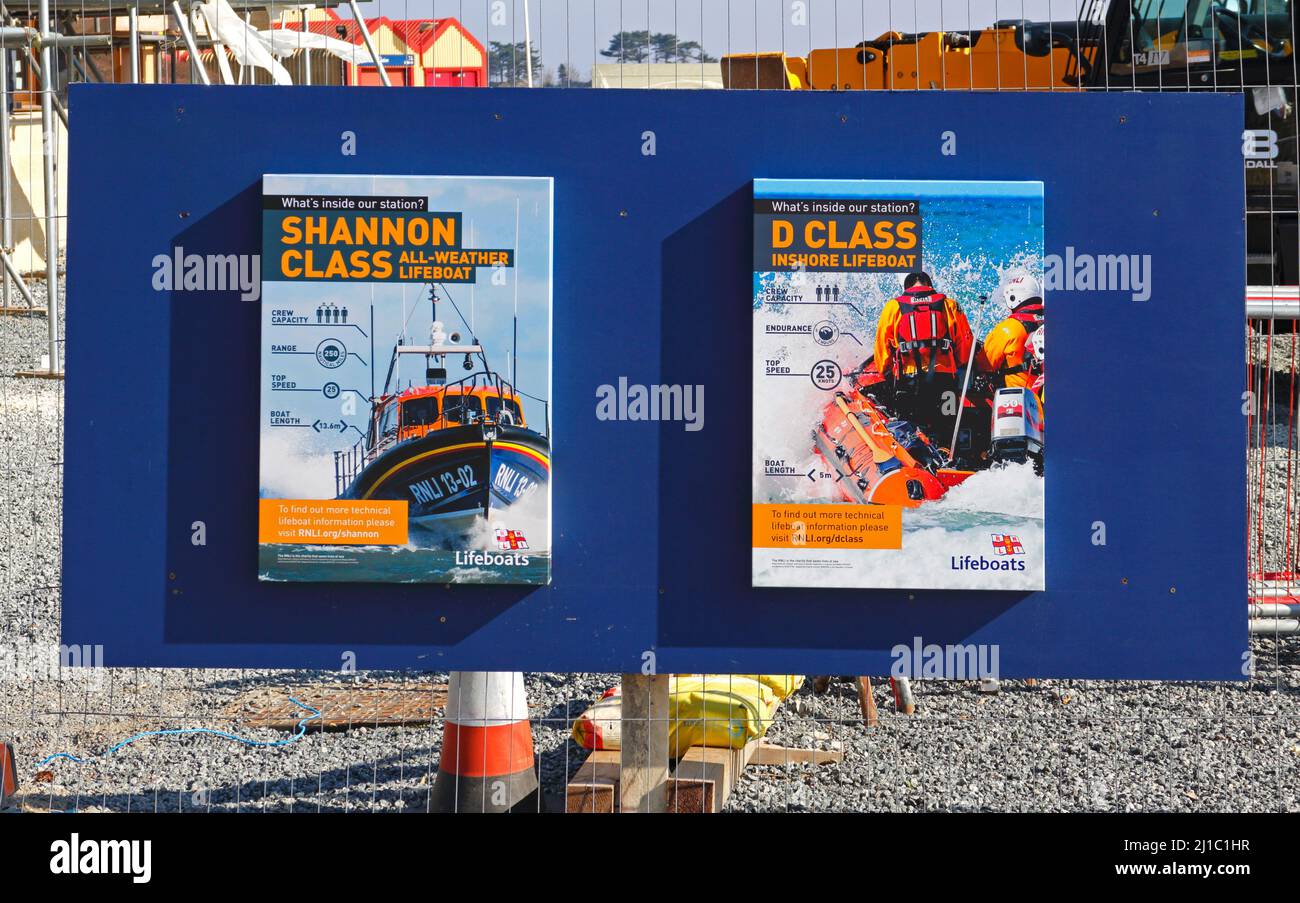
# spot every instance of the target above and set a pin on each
(496, 115)
(1123, 580)
(623, 214)
(1172, 590)
(1123, 119)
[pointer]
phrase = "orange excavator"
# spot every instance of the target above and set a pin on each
(1178, 45)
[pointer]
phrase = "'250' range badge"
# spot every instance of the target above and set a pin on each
(331, 354)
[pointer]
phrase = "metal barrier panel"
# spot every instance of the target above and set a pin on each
(575, 44)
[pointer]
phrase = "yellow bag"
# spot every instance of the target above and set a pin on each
(719, 710)
(600, 727)
(783, 685)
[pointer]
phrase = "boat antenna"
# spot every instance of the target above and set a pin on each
(471, 285)
(406, 318)
(372, 341)
(456, 307)
(514, 350)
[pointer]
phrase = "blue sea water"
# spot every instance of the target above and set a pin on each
(390, 564)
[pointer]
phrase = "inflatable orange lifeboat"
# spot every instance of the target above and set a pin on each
(881, 460)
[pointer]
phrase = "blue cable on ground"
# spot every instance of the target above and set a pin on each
(172, 732)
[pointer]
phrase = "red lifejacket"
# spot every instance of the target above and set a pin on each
(1030, 315)
(923, 326)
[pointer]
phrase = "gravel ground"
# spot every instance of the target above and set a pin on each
(1113, 746)
(1278, 350)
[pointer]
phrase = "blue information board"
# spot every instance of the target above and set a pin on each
(652, 284)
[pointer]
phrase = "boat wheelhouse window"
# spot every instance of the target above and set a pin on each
(388, 423)
(494, 405)
(420, 411)
(463, 408)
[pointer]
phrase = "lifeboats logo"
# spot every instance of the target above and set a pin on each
(1006, 544)
(979, 563)
(511, 540)
(1081, 272)
(75, 856)
(635, 401)
(491, 560)
(181, 272)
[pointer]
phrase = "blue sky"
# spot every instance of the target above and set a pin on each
(573, 31)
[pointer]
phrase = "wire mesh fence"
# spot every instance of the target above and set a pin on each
(108, 739)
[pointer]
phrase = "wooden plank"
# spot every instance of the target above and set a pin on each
(772, 754)
(720, 766)
(702, 781)
(686, 797)
(645, 724)
(594, 799)
(341, 706)
(867, 702)
(594, 787)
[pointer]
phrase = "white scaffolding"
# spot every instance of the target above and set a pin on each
(39, 46)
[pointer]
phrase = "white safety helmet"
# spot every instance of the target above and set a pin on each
(1036, 344)
(1020, 286)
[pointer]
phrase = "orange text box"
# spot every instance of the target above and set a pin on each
(331, 522)
(828, 526)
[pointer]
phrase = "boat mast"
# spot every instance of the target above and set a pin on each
(514, 350)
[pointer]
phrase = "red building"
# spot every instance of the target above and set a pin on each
(415, 52)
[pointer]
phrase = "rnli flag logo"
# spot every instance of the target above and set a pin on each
(1005, 544)
(511, 540)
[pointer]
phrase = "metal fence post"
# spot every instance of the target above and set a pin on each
(133, 16)
(195, 63)
(370, 45)
(6, 226)
(50, 136)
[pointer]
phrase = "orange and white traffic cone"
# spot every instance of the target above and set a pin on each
(8, 776)
(487, 746)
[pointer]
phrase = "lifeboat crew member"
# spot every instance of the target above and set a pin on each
(922, 340)
(1004, 352)
(1035, 363)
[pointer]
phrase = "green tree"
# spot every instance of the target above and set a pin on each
(659, 47)
(566, 77)
(507, 66)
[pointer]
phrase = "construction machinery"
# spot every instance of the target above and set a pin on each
(1158, 45)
